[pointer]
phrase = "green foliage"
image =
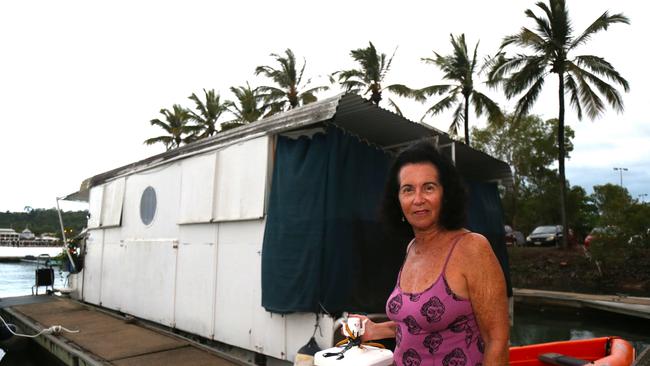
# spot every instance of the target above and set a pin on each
(248, 107)
(627, 222)
(528, 145)
(373, 68)
(613, 203)
(459, 68)
(207, 113)
(177, 127)
(44, 221)
(289, 92)
(550, 44)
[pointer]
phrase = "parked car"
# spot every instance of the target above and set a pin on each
(599, 231)
(545, 235)
(513, 237)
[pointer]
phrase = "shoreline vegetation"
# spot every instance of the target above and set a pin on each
(571, 270)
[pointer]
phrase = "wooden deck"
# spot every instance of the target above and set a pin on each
(627, 305)
(105, 338)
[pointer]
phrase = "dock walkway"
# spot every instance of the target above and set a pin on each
(104, 338)
(627, 305)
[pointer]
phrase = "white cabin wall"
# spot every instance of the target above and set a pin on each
(185, 270)
(239, 248)
(90, 292)
(196, 279)
(166, 181)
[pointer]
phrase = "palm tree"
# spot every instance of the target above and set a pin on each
(208, 113)
(288, 93)
(247, 109)
(459, 68)
(551, 43)
(368, 78)
(176, 125)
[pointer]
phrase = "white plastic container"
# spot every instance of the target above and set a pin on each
(366, 356)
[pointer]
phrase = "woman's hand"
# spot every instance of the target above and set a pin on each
(374, 330)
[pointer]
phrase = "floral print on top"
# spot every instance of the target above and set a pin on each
(435, 326)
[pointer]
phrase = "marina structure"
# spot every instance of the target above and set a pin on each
(26, 238)
(241, 238)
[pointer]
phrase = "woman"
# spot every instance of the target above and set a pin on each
(449, 305)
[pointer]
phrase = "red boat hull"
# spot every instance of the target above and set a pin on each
(611, 351)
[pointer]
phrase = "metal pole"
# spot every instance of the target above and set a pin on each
(65, 241)
(620, 172)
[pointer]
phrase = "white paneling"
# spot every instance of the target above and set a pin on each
(197, 189)
(95, 206)
(269, 331)
(300, 327)
(114, 277)
(112, 203)
(196, 279)
(239, 246)
(166, 181)
(234, 300)
(148, 274)
(92, 267)
(241, 180)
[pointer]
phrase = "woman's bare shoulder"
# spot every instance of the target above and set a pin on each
(474, 245)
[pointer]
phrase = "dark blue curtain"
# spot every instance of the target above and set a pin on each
(322, 217)
(485, 216)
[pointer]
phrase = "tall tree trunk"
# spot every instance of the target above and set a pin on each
(561, 152)
(467, 120)
(375, 97)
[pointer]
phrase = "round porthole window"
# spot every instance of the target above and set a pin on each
(148, 205)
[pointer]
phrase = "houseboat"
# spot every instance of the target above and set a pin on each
(261, 236)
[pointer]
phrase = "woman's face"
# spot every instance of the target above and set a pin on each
(420, 195)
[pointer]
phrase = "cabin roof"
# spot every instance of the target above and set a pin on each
(350, 112)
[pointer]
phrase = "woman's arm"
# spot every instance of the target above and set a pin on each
(487, 293)
(374, 330)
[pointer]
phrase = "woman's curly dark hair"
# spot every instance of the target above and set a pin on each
(452, 210)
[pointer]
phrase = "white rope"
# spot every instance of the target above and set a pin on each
(55, 329)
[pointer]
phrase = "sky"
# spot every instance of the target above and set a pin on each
(80, 80)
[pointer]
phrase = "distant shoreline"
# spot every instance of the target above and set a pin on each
(9, 254)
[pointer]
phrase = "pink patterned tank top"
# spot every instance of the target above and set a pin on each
(435, 326)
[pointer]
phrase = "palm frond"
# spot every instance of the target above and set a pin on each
(443, 104)
(526, 102)
(558, 19)
(422, 94)
(574, 96)
(400, 89)
(457, 121)
(525, 38)
(307, 97)
(316, 89)
(166, 140)
(611, 94)
(602, 67)
(345, 75)
(543, 26)
(588, 97)
(483, 103)
(520, 80)
(395, 107)
(501, 65)
(385, 68)
(161, 124)
(602, 23)
(353, 86)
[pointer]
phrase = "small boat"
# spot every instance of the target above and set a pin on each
(611, 351)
